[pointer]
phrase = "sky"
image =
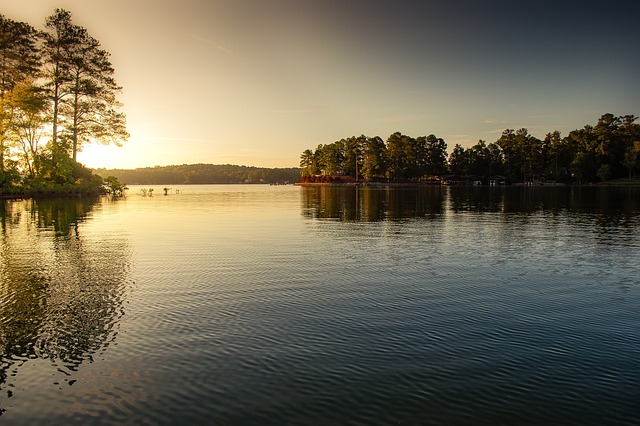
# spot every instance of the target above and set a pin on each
(256, 82)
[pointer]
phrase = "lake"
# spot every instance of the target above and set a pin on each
(282, 305)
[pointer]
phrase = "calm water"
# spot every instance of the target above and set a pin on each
(260, 305)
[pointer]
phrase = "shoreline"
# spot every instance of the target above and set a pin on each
(46, 196)
(352, 184)
(627, 184)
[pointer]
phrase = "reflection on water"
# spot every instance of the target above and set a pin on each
(371, 204)
(593, 200)
(494, 305)
(60, 293)
(259, 305)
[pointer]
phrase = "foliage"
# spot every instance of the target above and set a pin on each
(608, 150)
(63, 176)
(370, 158)
(56, 82)
(374, 163)
(30, 118)
(81, 85)
(114, 187)
(19, 61)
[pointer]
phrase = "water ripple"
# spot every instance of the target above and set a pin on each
(252, 313)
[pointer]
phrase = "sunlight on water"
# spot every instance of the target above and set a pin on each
(284, 305)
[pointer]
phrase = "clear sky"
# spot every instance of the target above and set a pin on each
(256, 82)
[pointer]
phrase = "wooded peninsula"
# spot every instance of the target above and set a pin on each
(608, 150)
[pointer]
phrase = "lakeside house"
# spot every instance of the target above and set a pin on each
(497, 180)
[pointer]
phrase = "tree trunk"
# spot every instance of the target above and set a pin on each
(54, 136)
(74, 133)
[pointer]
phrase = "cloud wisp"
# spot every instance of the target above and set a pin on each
(220, 47)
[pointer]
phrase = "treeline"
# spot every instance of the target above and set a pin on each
(610, 149)
(57, 93)
(201, 174)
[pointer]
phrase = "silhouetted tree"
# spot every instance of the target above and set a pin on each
(19, 62)
(82, 87)
(374, 161)
(459, 160)
(435, 156)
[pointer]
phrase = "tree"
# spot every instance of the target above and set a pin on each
(559, 155)
(19, 61)
(416, 150)
(308, 163)
(479, 159)
(352, 154)
(581, 166)
(630, 134)
(496, 159)
(533, 155)
(91, 109)
(584, 146)
(459, 160)
(511, 153)
(374, 158)
(631, 157)
(30, 117)
(329, 158)
(401, 156)
(435, 155)
(58, 38)
(82, 86)
(523, 154)
(610, 146)
(114, 187)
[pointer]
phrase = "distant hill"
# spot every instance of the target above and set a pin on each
(201, 174)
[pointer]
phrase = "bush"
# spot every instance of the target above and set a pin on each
(114, 187)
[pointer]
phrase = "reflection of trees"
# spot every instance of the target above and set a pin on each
(609, 203)
(612, 210)
(371, 204)
(603, 206)
(60, 214)
(475, 199)
(520, 200)
(60, 293)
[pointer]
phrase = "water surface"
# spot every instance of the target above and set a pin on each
(259, 305)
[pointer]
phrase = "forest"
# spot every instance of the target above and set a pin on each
(201, 174)
(596, 153)
(57, 93)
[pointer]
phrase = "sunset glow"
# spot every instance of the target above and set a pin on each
(256, 83)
